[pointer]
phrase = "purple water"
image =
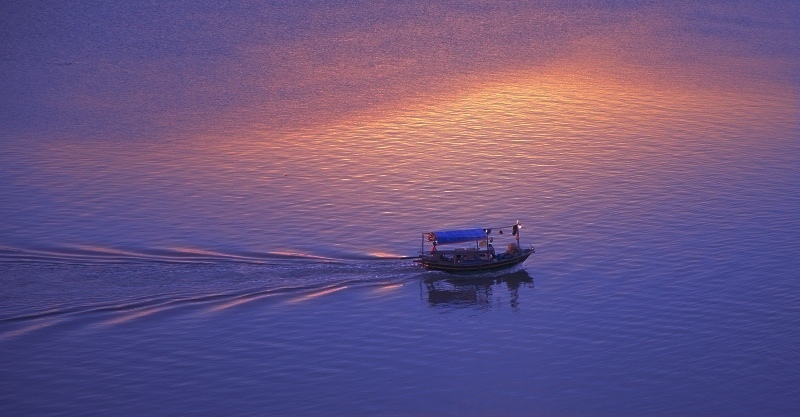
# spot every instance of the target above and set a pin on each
(210, 209)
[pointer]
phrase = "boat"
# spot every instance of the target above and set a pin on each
(479, 255)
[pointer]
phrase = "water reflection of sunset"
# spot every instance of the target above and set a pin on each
(288, 67)
(485, 104)
(548, 132)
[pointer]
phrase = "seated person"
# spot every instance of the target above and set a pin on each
(513, 249)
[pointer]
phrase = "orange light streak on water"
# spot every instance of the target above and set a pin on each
(239, 301)
(387, 288)
(28, 329)
(315, 295)
(134, 315)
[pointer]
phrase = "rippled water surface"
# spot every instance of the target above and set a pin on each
(259, 268)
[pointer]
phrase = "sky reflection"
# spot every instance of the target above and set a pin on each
(155, 71)
(219, 128)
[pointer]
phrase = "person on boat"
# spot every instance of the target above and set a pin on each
(490, 249)
(513, 249)
(433, 247)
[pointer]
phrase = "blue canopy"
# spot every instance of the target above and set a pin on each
(444, 237)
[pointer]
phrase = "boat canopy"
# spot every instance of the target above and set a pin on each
(444, 237)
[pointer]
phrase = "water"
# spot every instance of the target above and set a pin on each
(250, 257)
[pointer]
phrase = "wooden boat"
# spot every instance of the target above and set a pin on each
(479, 256)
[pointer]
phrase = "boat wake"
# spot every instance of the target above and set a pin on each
(125, 308)
(84, 255)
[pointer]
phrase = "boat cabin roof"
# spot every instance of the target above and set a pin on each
(444, 237)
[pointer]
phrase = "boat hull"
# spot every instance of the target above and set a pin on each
(474, 266)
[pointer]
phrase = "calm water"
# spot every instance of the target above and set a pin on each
(250, 258)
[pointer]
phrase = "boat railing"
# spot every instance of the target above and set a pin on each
(459, 255)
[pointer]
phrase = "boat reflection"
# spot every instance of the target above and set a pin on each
(474, 291)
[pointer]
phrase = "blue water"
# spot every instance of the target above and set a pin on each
(245, 260)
